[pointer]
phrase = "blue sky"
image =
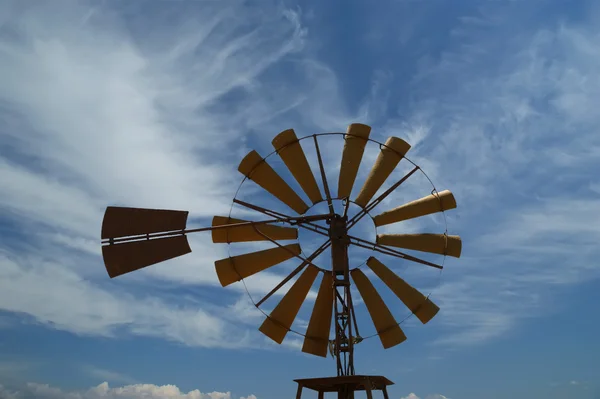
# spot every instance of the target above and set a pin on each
(153, 104)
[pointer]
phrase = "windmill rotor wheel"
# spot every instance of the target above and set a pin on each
(288, 147)
(134, 238)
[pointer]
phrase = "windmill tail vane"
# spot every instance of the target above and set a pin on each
(134, 238)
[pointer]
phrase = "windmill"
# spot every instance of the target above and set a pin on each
(134, 238)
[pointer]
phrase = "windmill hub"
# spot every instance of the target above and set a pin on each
(336, 227)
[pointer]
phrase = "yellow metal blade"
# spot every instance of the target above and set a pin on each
(424, 206)
(316, 340)
(354, 147)
(418, 303)
(258, 170)
(249, 232)
(290, 151)
(388, 329)
(124, 258)
(387, 160)
(230, 270)
(279, 322)
(432, 243)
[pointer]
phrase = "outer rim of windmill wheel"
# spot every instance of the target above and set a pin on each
(344, 137)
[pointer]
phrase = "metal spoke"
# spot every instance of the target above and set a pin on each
(286, 219)
(268, 212)
(397, 254)
(304, 260)
(324, 177)
(297, 270)
(346, 202)
(378, 200)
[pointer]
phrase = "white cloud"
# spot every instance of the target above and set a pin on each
(516, 142)
(92, 310)
(108, 375)
(134, 391)
(104, 391)
(93, 115)
(434, 396)
(10, 368)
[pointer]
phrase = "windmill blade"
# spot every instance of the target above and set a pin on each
(354, 147)
(249, 232)
(254, 167)
(290, 151)
(119, 222)
(424, 206)
(316, 339)
(124, 258)
(433, 243)
(418, 303)
(277, 325)
(232, 269)
(388, 159)
(387, 327)
(124, 222)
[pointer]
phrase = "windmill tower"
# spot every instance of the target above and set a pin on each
(134, 238)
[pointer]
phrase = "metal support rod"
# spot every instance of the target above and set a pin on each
(346, 203)
(299, 391)
(324, 177)
(343, 307)
(260, 209)
(369, 388)
(272, 213)
(353, 317)
(392, 252)
(225, 226)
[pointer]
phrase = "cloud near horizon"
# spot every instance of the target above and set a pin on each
(433, 396)
(104, 391)
(134, 391)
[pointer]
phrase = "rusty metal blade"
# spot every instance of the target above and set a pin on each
(389, 157)
(418, 303)
(319, 326)
(249, 232)
(433, 203)
(387, 328)
(230, 270)
(259, 171)
(432, 243)
(279, 322)
(290, 151)
(354, 147)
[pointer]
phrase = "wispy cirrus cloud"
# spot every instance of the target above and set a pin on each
(95, 112)
(516, 142)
